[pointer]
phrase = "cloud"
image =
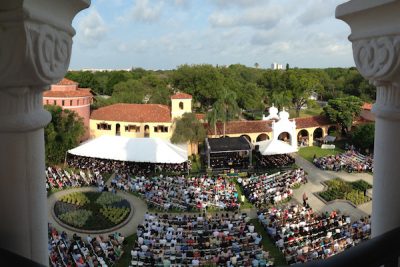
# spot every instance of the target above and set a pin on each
(144, 11)
(92, 29)
(264, 17)
(237, 3)
(317, 11)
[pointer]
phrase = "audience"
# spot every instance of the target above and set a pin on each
(262, 190)
(180, 192)
(198, 240)
(57, 178)
(95, 251)
(303, 235)
(350, 160)
(135, 168)
(275, 161)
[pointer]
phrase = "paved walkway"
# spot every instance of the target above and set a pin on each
(316, 176)
(138, 205)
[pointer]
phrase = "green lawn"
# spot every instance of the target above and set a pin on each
(269, 245)
(309, 152)
(246, 204)
(125, 259)
(314, 111)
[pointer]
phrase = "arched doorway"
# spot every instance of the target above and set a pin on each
(318, 135)
(302, 138)
(118, 129)
(285, 137)
(247, 137)
(146, 131)
(262, 137)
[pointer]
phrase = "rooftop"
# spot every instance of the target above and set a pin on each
(181, 96)
(133, 113)
(80, 92)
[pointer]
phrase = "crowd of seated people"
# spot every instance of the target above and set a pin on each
(180, 192)
(351, 161)
(303, 235)
(136, 168)
(266, 189)
(73, 251)
(198, 240)
(228, 161)
(275, 161)
(57, 178)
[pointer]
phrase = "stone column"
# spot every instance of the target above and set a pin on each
(35, 48)
(376, 48)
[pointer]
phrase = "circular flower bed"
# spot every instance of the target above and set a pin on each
(92, 210)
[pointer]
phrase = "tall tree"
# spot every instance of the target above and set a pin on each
(302, 85)
(343, 111)
(62, 133)
(227, 107)
(363, 136)
(188, 129)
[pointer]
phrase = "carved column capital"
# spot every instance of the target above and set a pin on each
(375, 37)
(35, 51)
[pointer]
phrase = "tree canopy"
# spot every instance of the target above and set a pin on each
(255, 88)
(188, 129)
(62, 133)
(343, 110)
(363, 136)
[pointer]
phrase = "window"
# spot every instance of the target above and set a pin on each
(62, 103)
(70, 102)
(181, 105)
(132, 128)
(156, 129)
(77, 102)
(54, 102)
(166, 129)
(103, 126)
(47, 102)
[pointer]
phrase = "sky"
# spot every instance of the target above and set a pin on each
(163, 34)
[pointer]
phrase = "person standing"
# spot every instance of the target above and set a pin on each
(305, 198)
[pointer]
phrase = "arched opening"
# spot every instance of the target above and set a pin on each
(247, 137)
(285, 137)
(181, 105)
(317, 136)
(118, 129)
(332, 130)
(262, 137)
(146, 131)
(302, 138)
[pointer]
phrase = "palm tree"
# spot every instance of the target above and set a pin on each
(226, 107)
(213, 116)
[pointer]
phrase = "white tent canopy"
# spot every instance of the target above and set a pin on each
(274, 147)
(153, 150)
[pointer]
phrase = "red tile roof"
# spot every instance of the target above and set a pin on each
(367, 106)
(71, 93)
(181, 96)
(133, 113)
(314, 121)
(66, 81)
(238, 127)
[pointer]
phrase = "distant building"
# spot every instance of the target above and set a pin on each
(139, 120)
(68, 95)
(276, 66)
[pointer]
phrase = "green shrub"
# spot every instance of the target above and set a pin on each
(108, 198)
(76, 218)
(76, 198)
(339, 189)
(115, 215)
